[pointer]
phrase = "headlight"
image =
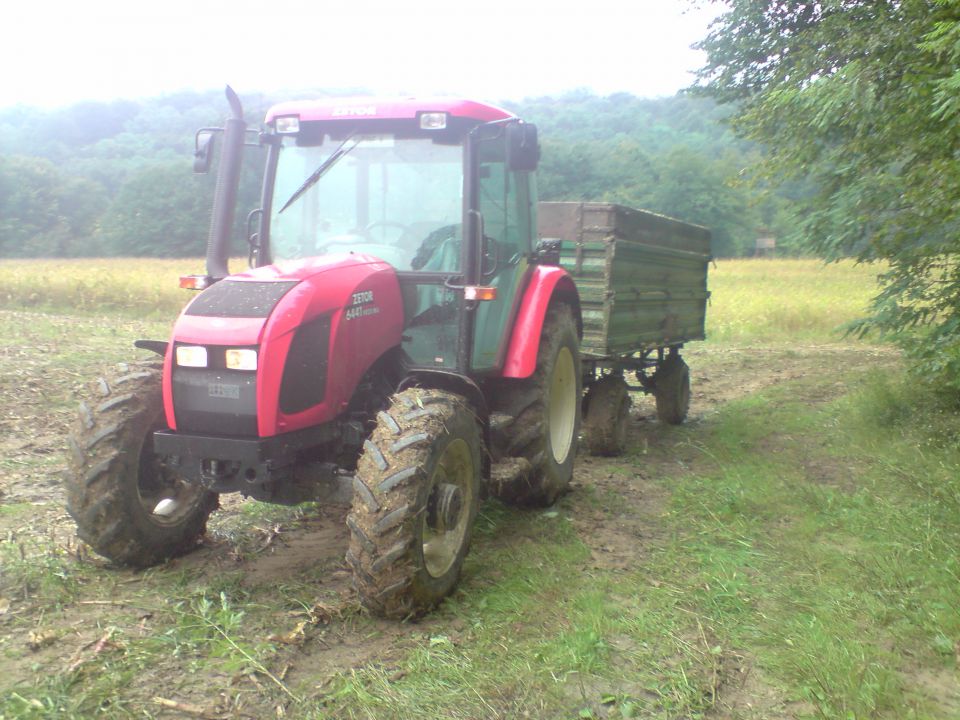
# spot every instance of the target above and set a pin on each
(241, 359)
(191, 356)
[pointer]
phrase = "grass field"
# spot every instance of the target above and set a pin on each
(789, 552)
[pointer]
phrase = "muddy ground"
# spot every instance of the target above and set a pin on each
(37, 389)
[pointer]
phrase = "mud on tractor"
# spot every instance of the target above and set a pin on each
(401, 339)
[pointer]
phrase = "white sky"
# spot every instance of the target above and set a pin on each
(57, 52)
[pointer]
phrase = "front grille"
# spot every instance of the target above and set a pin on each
(215, 402)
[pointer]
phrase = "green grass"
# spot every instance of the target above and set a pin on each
(545, 636)
(799, 550)
(836, 568)
(839, 589)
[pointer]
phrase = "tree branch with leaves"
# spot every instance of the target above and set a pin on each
(860, 99)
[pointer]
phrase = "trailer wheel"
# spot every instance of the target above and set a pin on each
(128, 505)
(546, 411)
(671, 388)
(416, 492)
(607, 416)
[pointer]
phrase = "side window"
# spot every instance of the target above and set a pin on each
(505, 204)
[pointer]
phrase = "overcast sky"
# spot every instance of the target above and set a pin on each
(57, 52)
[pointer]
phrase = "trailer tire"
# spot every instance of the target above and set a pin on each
(546, 411)
(671, 385)
(416, 493)
(115, 485)
(606, 416)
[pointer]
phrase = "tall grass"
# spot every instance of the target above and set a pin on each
(752, 300)
(129, 286)
(786, 300)
(125, 285)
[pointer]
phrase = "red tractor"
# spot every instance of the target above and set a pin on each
(399, 335)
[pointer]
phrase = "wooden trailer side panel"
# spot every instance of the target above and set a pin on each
(642, 277)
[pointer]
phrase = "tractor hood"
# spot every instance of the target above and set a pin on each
(236, 309)
(315, 327)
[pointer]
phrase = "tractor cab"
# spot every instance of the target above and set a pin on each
(432, 187)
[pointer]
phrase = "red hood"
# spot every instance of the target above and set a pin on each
(307, 268)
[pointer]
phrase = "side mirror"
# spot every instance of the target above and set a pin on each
(523, 150)
(203, 154)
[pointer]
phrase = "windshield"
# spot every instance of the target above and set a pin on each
(400, 199)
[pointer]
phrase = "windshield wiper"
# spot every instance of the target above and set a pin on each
(334, 158)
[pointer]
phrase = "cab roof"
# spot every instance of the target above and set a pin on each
(379, 108)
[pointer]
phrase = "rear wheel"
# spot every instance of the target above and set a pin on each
(416, 493)
(671, 388)
(130, 506)
(546, 411)
(607, 416)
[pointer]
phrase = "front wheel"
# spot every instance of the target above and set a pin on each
(416, 493)
(130, 506)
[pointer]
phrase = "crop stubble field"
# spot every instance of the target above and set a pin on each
(788, 552)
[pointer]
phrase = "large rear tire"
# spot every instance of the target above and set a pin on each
(128, 505)
(671, 385)
(416, 493)
(546, 408)
(607, 416)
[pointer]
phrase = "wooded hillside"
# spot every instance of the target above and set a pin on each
(115, 178)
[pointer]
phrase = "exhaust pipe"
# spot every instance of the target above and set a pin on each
(225, 194)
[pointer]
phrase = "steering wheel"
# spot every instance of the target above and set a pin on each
(349, 240)
(386, 223)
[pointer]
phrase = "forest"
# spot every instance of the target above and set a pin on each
(114, 178)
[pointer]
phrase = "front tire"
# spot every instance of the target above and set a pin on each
(546, 408)
(128, 505)
(416, 493)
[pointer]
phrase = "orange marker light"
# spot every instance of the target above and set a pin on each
(195, 282)
(479, 292)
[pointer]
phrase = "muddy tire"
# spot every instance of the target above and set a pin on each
(416, 492)
(606, 418)
(546, 408)
(128, 506)
(671, 385)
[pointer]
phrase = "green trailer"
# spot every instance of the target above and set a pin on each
(642, 280)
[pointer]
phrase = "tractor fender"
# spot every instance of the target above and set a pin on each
(547, 284)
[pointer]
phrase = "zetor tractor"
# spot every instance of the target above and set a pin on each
(399, 339)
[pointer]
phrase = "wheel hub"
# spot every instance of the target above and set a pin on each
(444, 506)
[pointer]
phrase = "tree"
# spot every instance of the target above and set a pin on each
(859, 99)
(43, 212)
(697, 189)
(160, 211)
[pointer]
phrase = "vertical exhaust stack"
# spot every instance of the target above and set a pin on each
(225, 194)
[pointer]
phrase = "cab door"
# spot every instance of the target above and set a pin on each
(505, 200)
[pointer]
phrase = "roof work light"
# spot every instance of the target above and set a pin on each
(433, 121)
(287, 124)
